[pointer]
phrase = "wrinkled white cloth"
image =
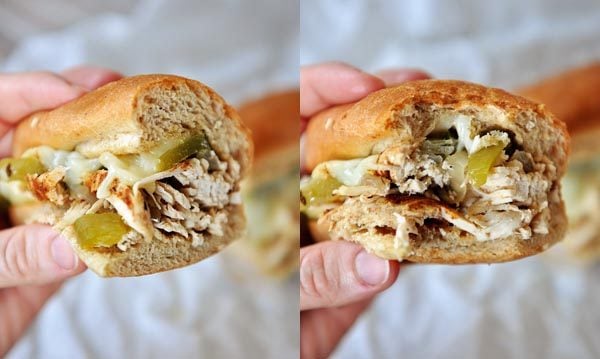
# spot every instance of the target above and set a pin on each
(533, 308)
(217, 308)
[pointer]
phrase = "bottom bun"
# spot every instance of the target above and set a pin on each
(156, 255)
(22, 213)
(318, 230)
(373, 224)
(145, 257)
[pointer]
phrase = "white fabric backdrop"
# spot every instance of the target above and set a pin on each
(532, 308)
(217, 308)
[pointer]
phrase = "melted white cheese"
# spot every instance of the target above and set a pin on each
(78, 167)
(129, 169)
(16, 192)
(351, 172)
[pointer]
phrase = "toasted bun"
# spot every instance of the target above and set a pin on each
(572, 97)
(137, 113)
(319, 230)
(21, 214)
(158, 256)
(392, 115)
(130, 116)
(371, 222)
(274, 121)
(147, 257)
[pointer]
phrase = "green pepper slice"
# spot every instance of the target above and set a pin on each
(195, 144)
(100, 230)
(19, 168)
(480, 162)
(320, 191)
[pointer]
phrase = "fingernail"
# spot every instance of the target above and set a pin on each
(63, 254)
(371, 269)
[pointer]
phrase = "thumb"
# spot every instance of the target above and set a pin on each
(336, 273)
(35, 254)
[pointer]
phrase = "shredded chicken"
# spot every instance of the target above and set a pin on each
(194, 203)
(128, 240)
(50, 187)
(95, 179)
(415, 173)
(514, 198)
(188, 200)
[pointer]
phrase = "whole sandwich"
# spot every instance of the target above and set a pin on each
(141, 175)
(438, 171)
(573, 97)
(270, 192)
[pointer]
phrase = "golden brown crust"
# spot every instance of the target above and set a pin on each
(113, 118)
(319, 230)
(274, 121)
(354, 130)
(571, 96)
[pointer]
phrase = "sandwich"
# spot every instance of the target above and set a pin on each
(270, 192)
(141, 175)
(573, 97)
(438, 171)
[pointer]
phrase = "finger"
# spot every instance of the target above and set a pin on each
(18, 307)
(322, 329)
(337, 273)
(35, 254)
(333, 83)
(24, 93)
(393, 77)
(90, 77)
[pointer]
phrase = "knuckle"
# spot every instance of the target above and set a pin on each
(16, 261)
(319, 279)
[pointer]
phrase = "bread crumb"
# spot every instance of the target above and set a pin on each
(530, 125)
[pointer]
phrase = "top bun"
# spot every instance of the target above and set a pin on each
(405, 114)
(137, 113)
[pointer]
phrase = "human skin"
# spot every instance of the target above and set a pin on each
(339, 279)
(34, 259)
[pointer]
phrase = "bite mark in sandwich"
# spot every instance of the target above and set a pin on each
(142, 175)
(438, 171)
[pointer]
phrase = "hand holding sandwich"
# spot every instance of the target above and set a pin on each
(338, 279)
(34, 259)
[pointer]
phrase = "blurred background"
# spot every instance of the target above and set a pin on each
(540, 307)
(221, 307)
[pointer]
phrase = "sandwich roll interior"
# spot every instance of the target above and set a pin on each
(141, 175)
(438, 171)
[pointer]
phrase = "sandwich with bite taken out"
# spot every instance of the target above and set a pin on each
(438, 171)
(141, 175)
